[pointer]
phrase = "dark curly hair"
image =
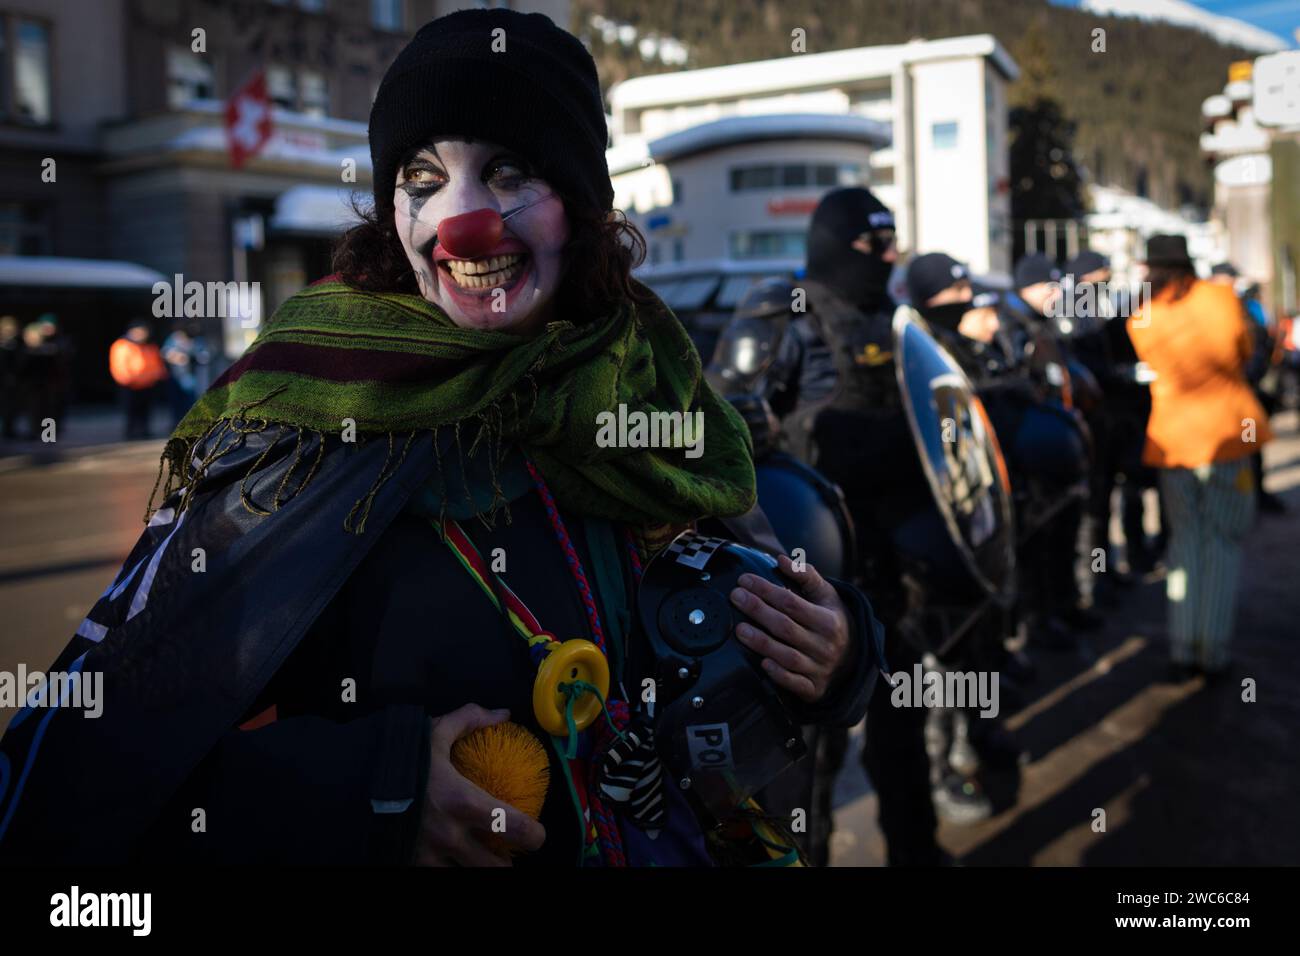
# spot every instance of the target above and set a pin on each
(602, 251)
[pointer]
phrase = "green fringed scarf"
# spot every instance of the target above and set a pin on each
(393, 363)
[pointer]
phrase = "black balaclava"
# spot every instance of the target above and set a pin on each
(859, 278)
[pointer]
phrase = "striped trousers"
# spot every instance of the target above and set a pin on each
(1210, 509)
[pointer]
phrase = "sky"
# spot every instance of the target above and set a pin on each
(1276, 16)
(1280, 17)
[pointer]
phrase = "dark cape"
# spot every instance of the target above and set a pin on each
(185, 653)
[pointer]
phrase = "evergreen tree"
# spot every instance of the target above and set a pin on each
(1045, 179)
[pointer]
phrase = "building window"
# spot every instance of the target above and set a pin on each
(795, 176)
(753, 177)
(677, 192)
(679, 250)
(313, 93)
(24, 230)
(944, 135)
(387, 14)
(279, 87)
(768, 244)
(25, 86)
(189, 77)
(848, 174)
(654, 253)
(306, 92)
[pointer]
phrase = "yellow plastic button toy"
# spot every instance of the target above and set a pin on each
(572, 661)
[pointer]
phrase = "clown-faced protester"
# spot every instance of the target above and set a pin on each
(470, 555)
(835, 389)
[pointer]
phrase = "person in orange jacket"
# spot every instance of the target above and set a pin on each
(137, 366)
(1205, 424)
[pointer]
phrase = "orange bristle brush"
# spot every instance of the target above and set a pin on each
(507, 761)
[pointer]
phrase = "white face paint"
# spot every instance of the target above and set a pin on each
(509, 289)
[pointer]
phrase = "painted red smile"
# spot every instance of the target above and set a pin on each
(501, 268)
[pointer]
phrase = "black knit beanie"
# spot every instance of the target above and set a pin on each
(930, 274)
(1034, 268)
(537, 94)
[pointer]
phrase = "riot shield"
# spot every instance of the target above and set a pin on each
(959, 453)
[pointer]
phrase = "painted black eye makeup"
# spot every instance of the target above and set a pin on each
(421, 176)
(508, 170)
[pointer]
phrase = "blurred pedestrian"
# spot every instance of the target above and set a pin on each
(185, 352)
(11, 358)
(136, 364)
(1205, 424)
(1257, 368)
(44, 376)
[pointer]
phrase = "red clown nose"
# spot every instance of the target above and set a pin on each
(471, 234)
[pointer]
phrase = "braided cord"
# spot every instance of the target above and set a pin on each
(571, 556)
(608, 835)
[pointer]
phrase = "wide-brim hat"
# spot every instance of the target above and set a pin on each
(1165, 250)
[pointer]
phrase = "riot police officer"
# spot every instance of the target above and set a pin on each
(834, 387)
(804, 508)
(1088, 323)
(1053, 575)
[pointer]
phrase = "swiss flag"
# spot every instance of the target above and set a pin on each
(248, 119)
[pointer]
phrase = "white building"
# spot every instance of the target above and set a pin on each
(1120, 223)
(923, 124)
(1253, 122)
(742, 187)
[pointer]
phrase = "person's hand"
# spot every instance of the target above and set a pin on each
(456, 812)
(802, 633)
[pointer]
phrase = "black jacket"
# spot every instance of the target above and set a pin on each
(290, 607)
